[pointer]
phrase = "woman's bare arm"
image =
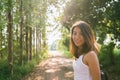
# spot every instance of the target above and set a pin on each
(92, 61)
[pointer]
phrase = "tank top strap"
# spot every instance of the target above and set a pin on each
(81, 58)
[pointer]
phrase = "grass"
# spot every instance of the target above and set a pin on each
(18, 72)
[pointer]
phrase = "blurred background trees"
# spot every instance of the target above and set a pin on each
(22, 36)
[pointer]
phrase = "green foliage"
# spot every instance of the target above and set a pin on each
(65, 41)
(107, 55)
(4, 72)
(117, 55)
(102, 15)
(24, 69)
(19, 71)
(63, 45)
(67, 54)
(42, 55)
(64, 48)
(33, 15)
(109, 58)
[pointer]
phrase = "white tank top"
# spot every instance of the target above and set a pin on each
(81, 71)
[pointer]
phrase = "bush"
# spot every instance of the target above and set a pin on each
(109, 58)
(18, 72)
(106, 55)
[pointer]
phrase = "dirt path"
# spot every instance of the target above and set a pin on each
(56, 67)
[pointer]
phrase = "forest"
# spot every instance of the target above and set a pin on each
(24, 32)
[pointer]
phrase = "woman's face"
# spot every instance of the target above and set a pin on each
(77, 37)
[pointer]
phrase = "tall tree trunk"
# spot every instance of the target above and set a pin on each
(27, 46)
(44, 38)
(30, 33)
(36, 43)
(10, 36)
(0, 44)
(40, 38)
(21, 34)
(30, 43)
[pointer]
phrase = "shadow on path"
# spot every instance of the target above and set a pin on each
(56, 67)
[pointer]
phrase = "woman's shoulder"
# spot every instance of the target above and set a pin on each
(91, 55)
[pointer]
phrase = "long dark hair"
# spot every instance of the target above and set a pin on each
(90, 43)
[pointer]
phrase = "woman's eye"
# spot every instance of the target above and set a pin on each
(80, 34)
(74, 33)
(77, 34)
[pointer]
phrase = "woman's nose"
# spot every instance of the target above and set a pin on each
(77, 36)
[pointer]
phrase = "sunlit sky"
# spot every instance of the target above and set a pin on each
(53, 32)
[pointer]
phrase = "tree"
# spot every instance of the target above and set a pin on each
(21, 32)
(102, 15)
(10, 36)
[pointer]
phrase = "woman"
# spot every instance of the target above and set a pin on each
(84, 48)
